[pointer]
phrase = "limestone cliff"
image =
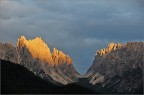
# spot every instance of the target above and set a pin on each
(9, 52)
(59, 57)
(111, 47)
(40, 50)
(119, 69)
(36, 56)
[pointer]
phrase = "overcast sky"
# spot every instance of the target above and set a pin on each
(77, 27)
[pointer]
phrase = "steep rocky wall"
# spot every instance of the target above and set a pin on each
(109, 48)
(121, 68)
(9, 52)
(35, 55)
(40, 50)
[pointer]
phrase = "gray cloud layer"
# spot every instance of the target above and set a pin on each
(78, 27)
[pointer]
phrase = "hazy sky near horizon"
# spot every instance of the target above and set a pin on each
(77, 27)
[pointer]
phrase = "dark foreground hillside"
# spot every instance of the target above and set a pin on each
(17, 79)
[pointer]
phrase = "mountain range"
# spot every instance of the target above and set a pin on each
(118, 68)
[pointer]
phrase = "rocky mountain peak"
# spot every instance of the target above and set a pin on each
(40, 50)
(59, 57)
(37, 48)
(119, 70)
(35, 55)
(111, 47)
(21, 41)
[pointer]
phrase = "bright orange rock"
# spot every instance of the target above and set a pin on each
(40, 50)
(111, 46)
(59, 57)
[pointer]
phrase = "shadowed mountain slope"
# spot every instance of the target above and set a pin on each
(118, 69)
(17, 79)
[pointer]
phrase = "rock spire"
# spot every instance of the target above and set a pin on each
(40, 50)
(111, 46)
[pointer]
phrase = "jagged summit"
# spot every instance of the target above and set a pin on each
(111, 46)
(117, 71)
(60, 57)
(34, 54)
(40, 50)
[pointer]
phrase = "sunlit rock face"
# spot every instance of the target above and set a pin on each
(36, 56)
(119, 69)
(40, 50)
(59, 57)
(111, 47)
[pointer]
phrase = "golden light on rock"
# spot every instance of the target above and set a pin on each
(111, 46)
(40, 50)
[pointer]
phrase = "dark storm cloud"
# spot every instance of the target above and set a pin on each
(78, 27)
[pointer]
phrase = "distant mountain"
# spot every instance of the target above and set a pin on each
(35, 55)
(16, 79)
(117, 69)
(33, 68)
